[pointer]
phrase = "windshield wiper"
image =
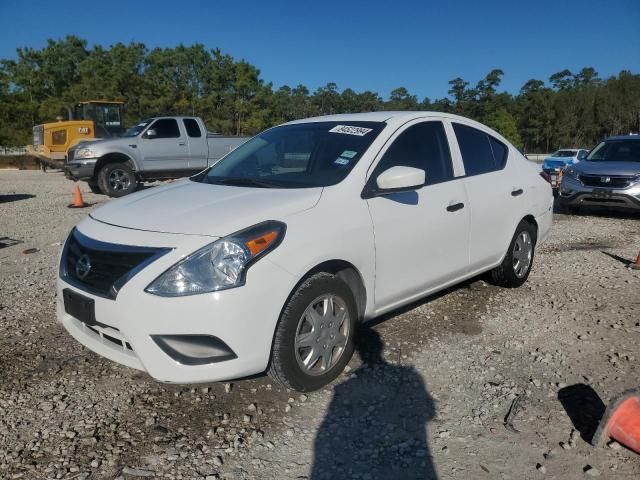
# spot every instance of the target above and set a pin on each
(241, 182)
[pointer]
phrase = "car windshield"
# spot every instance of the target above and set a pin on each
(135, 130)
(303, 155)
(564, 153)
(616, 151)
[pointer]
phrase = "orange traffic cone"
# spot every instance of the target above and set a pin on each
(636, 264)
(621, 421)
(78, 202)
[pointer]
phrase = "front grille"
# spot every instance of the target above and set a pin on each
(608, 181)
(38, 136)
(103, 268)
(117, 341)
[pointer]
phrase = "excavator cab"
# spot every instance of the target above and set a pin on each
(106, 117)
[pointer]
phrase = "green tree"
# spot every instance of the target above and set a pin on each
(505, 124)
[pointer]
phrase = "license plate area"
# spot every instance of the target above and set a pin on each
(602, 193)
(79, 307)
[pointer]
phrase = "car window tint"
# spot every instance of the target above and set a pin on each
(499, 150)
(422, 146)
(476, 149)
(166, 128)
(193, 129)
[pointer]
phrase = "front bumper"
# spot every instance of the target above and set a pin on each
(80, 169)
(243, 318)
(575, 193)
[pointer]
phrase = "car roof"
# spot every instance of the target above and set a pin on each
(624, 137)
(383, 116)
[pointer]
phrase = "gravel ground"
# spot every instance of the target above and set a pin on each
(426, 397)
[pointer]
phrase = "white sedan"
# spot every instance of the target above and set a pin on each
(269, 259)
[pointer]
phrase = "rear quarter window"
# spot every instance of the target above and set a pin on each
(192, 127)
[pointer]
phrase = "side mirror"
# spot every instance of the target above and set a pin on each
(400, 179)
(151, 133)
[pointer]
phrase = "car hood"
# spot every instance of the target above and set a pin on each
(192, 208)
(110, 142)
(559, 160)
(608, 168)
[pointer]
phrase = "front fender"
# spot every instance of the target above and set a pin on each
(119, 153)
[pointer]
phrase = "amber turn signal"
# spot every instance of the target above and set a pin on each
(257, 245)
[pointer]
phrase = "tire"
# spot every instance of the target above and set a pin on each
(514, 269)
(117, 179)
(564, 207)
(295, 329)
(95, 188)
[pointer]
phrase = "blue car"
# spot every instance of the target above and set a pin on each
(556, 163)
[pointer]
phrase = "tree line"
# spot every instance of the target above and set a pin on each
(569, 109)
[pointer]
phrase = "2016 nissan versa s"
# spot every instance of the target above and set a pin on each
(267, 260)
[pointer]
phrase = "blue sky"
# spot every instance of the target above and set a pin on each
(366, 45)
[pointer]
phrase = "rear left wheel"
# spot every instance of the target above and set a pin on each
(314, 337)
(516, 266)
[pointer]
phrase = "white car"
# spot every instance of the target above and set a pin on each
(269, 259)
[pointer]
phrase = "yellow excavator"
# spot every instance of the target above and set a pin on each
(89, 120)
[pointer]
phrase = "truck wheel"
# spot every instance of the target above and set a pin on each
(314, 336)
(117, 179)
(95, 188)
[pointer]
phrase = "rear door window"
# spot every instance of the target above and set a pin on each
(422, 146)
(481, 153)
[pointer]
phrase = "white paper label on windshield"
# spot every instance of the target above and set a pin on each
(350, 130)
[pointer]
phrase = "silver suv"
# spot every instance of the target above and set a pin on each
(609, 176)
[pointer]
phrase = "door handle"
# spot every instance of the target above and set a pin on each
(455, 207)
(182, 144)
(517, 192)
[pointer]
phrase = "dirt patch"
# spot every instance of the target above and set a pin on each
(20, 162)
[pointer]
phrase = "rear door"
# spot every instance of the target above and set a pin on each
(495, 194)
(421, 237)
(164, 147)
(197, 141)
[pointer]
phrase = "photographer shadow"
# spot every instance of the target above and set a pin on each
(375, 427)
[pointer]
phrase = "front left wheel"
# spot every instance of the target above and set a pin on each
(117, 179)
(314, 337)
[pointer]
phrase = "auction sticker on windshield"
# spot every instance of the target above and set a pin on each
(350, 130)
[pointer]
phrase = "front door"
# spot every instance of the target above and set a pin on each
(164, 146)
(421, 237)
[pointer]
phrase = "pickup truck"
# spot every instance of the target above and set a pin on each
(155, 149)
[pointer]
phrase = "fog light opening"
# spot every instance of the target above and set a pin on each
(194, 349)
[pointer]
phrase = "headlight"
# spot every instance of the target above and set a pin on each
(220, 265)
(84, 153)
(571, 173)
